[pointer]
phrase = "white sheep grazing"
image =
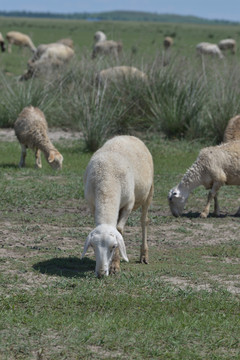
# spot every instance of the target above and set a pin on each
(227, 44)
(31, 130)
(99, 36)
(48, 56)
(232, 131)
(107, 47)
(116, 73)
(2, 42)
(17, 38)
(167, 42)
(205, 48)
(118, 179)
(215, 166)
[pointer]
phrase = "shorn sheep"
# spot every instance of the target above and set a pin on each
(17, 38)
(232, 131)
(2, 42)
(227, 44)
(167, 42)
(118, 180)
(215, 166)
(116, 73)
(205, 48)
(67, 42)
(48, 56)
(107, 47)
(31, 130)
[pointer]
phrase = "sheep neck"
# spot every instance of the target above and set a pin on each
(46, 146)
(192, 178)
(105, 209)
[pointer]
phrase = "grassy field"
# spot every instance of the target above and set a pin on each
(140, 40)
(183, 305)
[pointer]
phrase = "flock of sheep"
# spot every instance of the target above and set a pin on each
(120, 175)
(62, 51)
(120, 178)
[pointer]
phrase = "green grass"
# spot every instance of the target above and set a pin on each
(183, 305)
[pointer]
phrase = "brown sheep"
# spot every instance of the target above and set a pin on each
(167, 42)
(31, 130)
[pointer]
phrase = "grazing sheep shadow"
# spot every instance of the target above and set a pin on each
(195, 215)
(68, 267)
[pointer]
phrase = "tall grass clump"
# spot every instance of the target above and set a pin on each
(223, 100)
(15, 95)
(97, 116)
(177, 101)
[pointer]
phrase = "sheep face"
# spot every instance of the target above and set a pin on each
(55, 159)
(105, 239)
(176, 201)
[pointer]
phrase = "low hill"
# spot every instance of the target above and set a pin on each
(118, 16)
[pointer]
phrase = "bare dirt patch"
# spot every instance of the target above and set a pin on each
(55, 135)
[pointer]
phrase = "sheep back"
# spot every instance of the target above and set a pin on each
(121, 170)
(31, 127)
(220, 164)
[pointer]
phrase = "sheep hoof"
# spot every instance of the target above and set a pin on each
(144, 260)
(114, 268)
(203, 215)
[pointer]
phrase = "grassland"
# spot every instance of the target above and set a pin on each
(185, 303)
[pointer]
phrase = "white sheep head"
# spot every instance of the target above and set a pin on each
(177, 200)
(105, 239)
(55, 159)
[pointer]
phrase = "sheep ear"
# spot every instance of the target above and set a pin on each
(122, 247)
(86, 245)
(51, 157)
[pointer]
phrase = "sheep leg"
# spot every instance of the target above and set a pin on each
(115, 264)
(38, 162)
(23, 156)
(238, 212)
(9, 47)
(211, 195)
(123, 216)
(216, 206)
(144, 224)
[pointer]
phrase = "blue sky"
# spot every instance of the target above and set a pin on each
(210, 9)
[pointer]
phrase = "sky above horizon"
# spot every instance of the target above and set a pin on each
(209, 9)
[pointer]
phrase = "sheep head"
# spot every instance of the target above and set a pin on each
(55, 159)
(177, 200)
(105, 239)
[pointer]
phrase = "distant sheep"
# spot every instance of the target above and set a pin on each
(2, 42)
(232, 131)
(118, 180)
(167, 42)
(120, 73)
(31, 130)
(107, 47)
(205, 48)
(228, 44)
(99, 36)
(17, 38)
(215, 166)
(67, 42)
(47, 56)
